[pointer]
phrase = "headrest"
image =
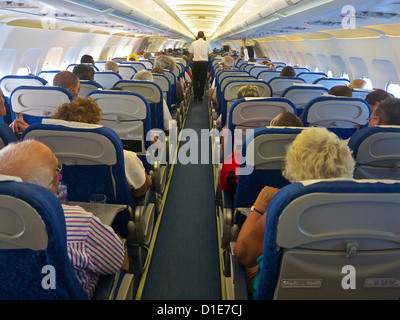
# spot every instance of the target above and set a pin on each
(71, 124)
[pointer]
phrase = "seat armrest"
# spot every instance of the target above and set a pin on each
(125, 290)
(239, 278)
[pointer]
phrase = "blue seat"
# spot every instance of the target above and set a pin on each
(35, 103)
(93, 162)
(128, 114)
(268, 75)
(341, 115)
(250, 113)
(48, 75)
(88, 86)
(310, 77)
(229, 93)
(34, 248)
(279, 84)
(107, 79)
(7, 136)
(315, 229)
(300, 95)
(377, 152)
(154, 96)
(332, 82)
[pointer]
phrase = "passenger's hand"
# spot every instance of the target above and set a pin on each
(18, 125)
(264, 198)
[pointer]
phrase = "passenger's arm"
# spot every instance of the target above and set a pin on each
(18, 125)
(143, 189)
(250, 242)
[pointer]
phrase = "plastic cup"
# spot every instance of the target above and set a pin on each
(98, 201)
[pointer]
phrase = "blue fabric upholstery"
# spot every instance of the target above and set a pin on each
(6, 134)
(86, 180)
(271, 256)
(21, 270)
(249, 186)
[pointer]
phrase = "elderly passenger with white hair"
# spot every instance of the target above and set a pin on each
(316, 153)
(168, 63)
(227, 63)
(145, 75)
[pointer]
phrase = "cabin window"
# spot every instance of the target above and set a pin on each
(393, 88)
(369, 85)
(329, 73)
(23, 71)
(316, 69)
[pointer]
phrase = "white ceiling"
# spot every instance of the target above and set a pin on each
(221, 20)
(202, 15)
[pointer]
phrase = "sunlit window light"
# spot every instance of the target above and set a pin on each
(393, 88)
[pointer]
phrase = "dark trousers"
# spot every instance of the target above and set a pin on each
(199, 77)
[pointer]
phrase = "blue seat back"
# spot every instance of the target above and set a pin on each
(279, 84)
(88, 86)
(263, 158)
(314, 229)
(230, 92)
(377, 152)
(332, 82)
(154, 96)
(7, 136)
(129, 115)
(92, 158)
(107, 79)
(310, 77)
(341, 115)
(300, 95)
(36, 240)
(37, 103)
(251, 113)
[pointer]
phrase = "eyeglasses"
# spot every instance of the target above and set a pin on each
(59, 168)
(370, 118)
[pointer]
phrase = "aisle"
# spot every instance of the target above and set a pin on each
(184, 263)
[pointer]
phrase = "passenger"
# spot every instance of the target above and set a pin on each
(357, 84)
(147, 55)
(316, 153)
(341, 91)
(93, 248)
(386, 113)
(3, 109)
(84, 72)
(229, 176)
(145, 75)
(88, 111)
(375, 97)
(168, 63)
(111, 66)
(132, 57)
(63, 79)
(157, 70)
(200, 51)
(227, 63)
(88, 59)
(287, 71)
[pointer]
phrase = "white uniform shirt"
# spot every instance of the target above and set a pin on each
(200, 50)
(134, 170)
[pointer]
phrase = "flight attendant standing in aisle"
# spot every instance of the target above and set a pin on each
(200, 51)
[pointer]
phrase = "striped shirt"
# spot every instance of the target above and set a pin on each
(93, 248)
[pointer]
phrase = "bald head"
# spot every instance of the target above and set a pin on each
(67, 80)
(32, 161)
(357, 84)
(111, 66)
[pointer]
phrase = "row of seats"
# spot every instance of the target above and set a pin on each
(88, 153)
(306, 250)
